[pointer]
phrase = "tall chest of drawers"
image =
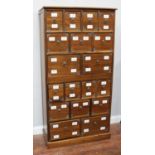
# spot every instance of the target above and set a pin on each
(77, 52)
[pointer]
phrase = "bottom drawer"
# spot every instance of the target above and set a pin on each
(95, 125)
(64, 129)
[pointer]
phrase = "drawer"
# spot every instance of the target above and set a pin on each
(103, 88)
(100, 106)
(89, 21)
(106, 20)
(72, 21)
(57, 42)
(62, 65)
(80, 108)
(56, 92)
(88, 89)
(81, 42)
(94, 125)
(58, 111)
(72, 91)
(64, 129)
(103, 41)
(53, 20)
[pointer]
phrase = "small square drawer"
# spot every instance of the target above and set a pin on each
(72, 91)
(80, 108)
(103, 41)
(58, 111)
(64, 129)
(106, 20)
(57, 42)
(100, 106)
(90, 21)
(56, 92)
(81, 42)
(103, 88)
(88, 89)
(53, 20)
(72, 21)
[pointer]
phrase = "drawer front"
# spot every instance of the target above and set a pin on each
(56, 92)
(103, 41)
(72, 21)
(72, 91)
(81, 42)
(58, 111)
(57, 43)
(94, 125)
(88, 89)
(65, 129)
(54, 20)
(106, 20)
(90, 21)
(80, 108)
(62, 65)
(100, 106)
(103, 88)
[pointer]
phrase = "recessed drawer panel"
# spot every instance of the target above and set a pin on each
(90, 21)
(100, 106)
(57, 42)
(81, 42)
(72, 21)
(64, 129)
(56, 92)
(80, 108)
(72, 91)
(58, 111)
(53, 20)
(106, 20)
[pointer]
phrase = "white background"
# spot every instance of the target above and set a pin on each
(138, 77)
(116, 103)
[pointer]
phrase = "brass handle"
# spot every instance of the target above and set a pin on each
(95, 123)
(64, 63)
(58, 41)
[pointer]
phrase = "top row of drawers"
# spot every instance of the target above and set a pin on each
(79, 20)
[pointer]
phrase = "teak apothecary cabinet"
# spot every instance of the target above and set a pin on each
(77, 52)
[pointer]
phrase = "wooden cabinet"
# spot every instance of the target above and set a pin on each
(77, 52)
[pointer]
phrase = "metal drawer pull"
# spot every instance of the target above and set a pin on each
(72, 15)
(54, 26)
(53, 59)
(72, 85)
(97, 37)
(89, 26)
(51, 39)
(75, 104)
(74, 123)
(72, 95)
(88, 58)
(88, 93)
(85, 38)
(55, 98)
(89, 15)
(106, 68)
(56, 136)
(85, 103)
(72, 26)
(106, 57)
(87, 69)
(108, 38)
(104, 101)
(56, 126)
(103, 92)
(75, 38)
(86, 130)
(54, 14)
(63, 106)
(102, 128)
(55, 87)
(96, 102)
(86, 121)
(74, 59)
(73, 70)
(63, 38)
(54, 71)
(106, 16)
(103, 118)
(106, 27)
(74, 133)
(53, 107)
(103, 83)
(88, 84)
